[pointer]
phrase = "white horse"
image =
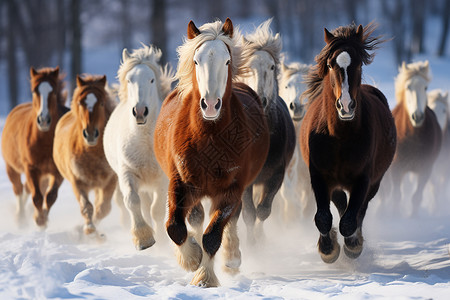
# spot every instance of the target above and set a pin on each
(296, 191)
(128, 140)
(261, 56)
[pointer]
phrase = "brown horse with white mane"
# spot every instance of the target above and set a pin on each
(78, 148)
(211, 140)
(347, 137)
(27, 144)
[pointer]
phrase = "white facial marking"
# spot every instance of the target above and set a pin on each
(90, 102)
(142, 88)
(343, 60)
(416, 97)
(263, 79)
(44, 90)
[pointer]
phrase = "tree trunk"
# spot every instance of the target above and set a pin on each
(418, 20)
(75, 67)
(445, 25)
(61, 30)
(158, 27)
(126, 25)
(12, 59)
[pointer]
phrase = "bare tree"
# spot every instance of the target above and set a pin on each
(75, 67)
(418, 10)
(11, 56)
(125, 24)
(61, 31)
(395, 14)
(445, 24)
(158, 27)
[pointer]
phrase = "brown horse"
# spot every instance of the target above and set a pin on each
(211, 139)
(27, 143)
(78, 148)
(418, 133)
(347, 137)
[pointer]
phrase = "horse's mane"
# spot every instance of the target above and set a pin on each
(343, 36)
(437, 95)
(110, 103)
(262, 39)
(208, 32)
(294, 68)
(150, 56)
(407, 71)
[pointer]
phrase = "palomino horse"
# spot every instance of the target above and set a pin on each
(128, 140)
(212, 140)
(296, 188)
(27, 143)
(347, 137)
(78, 149)
(261, 56)
(418, 134)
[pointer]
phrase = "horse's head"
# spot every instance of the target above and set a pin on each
(415, 78)
(292, 87)
(344, 69)
(438, 102)
(88, 104)
(212, 70)
(141, 80)
(44, 86)
(261, 54)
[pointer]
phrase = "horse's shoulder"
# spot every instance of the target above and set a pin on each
(371, 90)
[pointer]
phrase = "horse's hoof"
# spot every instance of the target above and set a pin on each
(189, 255)
(354, 244)
(203, 278)
(88, 229)
(352, 253)
(263, 212)
(142, 245)
(41, 219)
(143, 237)
(329, 248)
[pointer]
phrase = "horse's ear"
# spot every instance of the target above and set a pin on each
(33, 72)
(227, 28)
(328, 36)
(426, 64)
(192, 30)
(56, 72)
(80, 81)
(102, 80)
(125, 54)
(404, 66)
(359, 32)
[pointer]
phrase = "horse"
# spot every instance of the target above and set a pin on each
(438, 103)
(261, 56)
(128, 139)
(347, 137)
(27, 143)
(296, 189)
(211, 140)
(419, 136)
(78, 149)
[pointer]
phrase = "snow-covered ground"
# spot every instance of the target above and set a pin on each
(403, 258)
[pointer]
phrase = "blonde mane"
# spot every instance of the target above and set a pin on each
(262, 39)
(149, 56)
(407, 71)
(208, 32)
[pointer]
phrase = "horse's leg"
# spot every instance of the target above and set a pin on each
(270, 188)
(195, 218)
(230, 244)
(158, 208)
(141, 232)
(52, 192)
(328, 246)
(20, 192)
(33, 182)
(396, 182)
(103, 200)
(223, 207)
(86, 207)
(339, 198)
(417, 197)
(124, 216)
(249, 214)
(147, 199)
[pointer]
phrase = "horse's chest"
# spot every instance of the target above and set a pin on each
(91, 169)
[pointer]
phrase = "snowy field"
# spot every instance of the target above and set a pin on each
(403, 258)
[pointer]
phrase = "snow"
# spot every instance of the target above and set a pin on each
(403, 258)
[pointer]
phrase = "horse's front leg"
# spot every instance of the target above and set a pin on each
(189, 253)
(230, 244)
(416, 201)
(328, 246)
(52, 193)
(223, 208)
(141, 232)
(103, 199)
(249, 214)
(33, 182)
(158, 208)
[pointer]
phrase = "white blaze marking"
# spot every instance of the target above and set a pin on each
(44, 89)
(343, 60)
(90, 102)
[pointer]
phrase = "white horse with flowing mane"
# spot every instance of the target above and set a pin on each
(128, 140)
(296, 188)
(261, 56)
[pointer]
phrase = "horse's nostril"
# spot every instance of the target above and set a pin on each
(292, 106)
(145, 111)
(96, 133)
(39, 120)
(134, 111)
(264, 101)
(203, 104)
(339, 104)
(85, 134)
(352, 104)
(218, 104)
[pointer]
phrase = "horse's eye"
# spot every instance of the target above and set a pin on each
(152, 80)
(195, 62)
(286, 87)
(329, 66)
(272, 67)
(228, 62)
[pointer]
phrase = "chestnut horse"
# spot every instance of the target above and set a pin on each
(27, 144)
(78, 148)
(347, 137)
(261, 55)
(419, 136)
(211, 139)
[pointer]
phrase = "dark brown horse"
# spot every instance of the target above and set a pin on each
(78, 149)
(347, 137)
(27, 144)
(211, 139)
(418, 133)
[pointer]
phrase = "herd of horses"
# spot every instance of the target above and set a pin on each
(240, 128)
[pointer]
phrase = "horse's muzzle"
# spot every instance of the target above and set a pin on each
(91, 138)
(44, 122)
(210, 108)
(297, 111)
(140, 114)
(343, 114)
(418, 118)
